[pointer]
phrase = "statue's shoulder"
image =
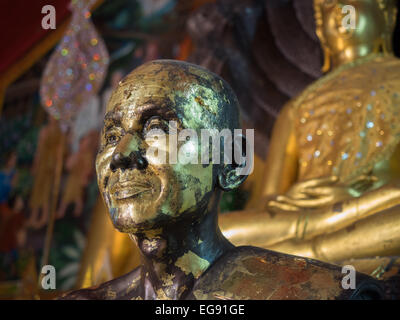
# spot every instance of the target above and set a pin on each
(349, 79)
(254, 273)
(124, 287)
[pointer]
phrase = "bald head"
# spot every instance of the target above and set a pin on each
(200, 98)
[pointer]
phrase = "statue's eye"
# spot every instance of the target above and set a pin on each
(156, 122)
(112, 138)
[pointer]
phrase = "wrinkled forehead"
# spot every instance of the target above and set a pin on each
(194, 96)
(131, 99)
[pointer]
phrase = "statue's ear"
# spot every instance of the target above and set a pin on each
(231, 176)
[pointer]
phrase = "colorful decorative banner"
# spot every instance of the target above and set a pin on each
(76, 69)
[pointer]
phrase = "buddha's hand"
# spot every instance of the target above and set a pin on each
(320, 192)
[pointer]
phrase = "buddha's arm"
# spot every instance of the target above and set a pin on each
(282, 160)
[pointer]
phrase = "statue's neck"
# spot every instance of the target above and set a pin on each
(352, 54)
(174, 257)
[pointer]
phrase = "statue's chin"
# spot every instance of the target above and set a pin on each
(131, 222)
(125, 226)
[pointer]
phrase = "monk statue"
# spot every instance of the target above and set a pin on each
(332, 177)
(169, 208)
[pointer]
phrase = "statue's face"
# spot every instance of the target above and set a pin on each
(140, 192)
(370, 24)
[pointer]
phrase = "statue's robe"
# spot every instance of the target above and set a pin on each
(251, 273)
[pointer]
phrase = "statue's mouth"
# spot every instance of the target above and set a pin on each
(129, 189)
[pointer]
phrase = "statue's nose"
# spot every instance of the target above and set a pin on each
(128, 155)
(133, 160)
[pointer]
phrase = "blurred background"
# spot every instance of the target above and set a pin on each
(267, 50)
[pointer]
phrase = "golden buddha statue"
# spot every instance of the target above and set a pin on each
(50, 141)
(80, 167)
(170, 207)
(332, 174)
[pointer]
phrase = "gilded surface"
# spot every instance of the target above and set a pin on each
(170, 210)
(331, 185)
(347, 122)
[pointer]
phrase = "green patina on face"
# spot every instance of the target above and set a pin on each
(197, 181)
(200, 106)
(134, 144)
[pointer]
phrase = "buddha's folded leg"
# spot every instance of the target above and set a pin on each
(377, 235)
(382, 268)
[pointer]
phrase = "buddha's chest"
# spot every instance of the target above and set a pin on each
(348, 126)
